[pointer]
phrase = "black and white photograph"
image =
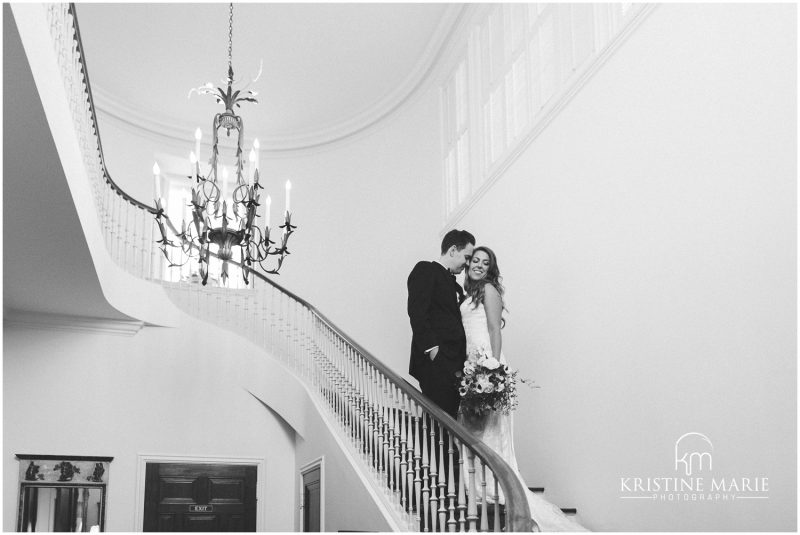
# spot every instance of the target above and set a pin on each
(400, 267)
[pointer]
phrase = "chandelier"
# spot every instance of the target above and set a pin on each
(224, 216)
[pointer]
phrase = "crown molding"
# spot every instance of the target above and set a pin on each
(144, 122)
(63, 322)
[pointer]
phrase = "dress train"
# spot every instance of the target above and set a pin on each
(496, 430)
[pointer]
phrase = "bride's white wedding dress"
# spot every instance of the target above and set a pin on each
(497, 429)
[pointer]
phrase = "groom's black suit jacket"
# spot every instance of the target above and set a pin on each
(433, 308)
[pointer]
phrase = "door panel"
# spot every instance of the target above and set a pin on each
(199, 497)
(312, 500)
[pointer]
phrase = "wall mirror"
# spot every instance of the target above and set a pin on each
(62, 493)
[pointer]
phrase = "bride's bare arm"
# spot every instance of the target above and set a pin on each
(493, 304)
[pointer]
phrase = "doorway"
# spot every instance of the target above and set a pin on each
(199, 497)
(312, 497)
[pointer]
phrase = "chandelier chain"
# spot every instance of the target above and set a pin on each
(230, 35)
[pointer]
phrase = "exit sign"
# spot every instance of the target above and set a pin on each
(201, 508)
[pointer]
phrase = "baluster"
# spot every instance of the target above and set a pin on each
(425, 473)
(370, 409)
(403, 464)
(472, 507)
(496, 504)
(359, 378)
(462, 498)
(147, 245)
(126, 241)
(119, 240)
(333, 372)
(451, 492)
(265, 319)
(484, 505)
(390, 449)
(151, 248)
(352, 400)
(106, 218)
(341, 366)
(373, 417)
(434, 471)
(315, 350)
(388, 438)
(301, 342)
(137, 216)
(309, 341)
(113, 224)
(287, 330)
(297, 344)
(282, 328)
(408, 477)
(442, 509)
(272, 322)
(383, 425)
(417, 453)
(342, 375)
(293, 333)
(398, 442)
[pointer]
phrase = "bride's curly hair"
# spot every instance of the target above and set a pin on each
(477, 289)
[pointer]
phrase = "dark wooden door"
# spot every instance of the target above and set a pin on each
(199, 497)
(312, 500)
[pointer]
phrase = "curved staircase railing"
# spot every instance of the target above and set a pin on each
(434, 472)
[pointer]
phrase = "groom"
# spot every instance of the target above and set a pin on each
(439, 345)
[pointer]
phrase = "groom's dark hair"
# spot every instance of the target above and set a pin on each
(459, 238)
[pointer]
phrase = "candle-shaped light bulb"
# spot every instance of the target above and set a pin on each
(268, 203)
(198, 135)
(251, 174)
(157, 175)
(192, 164)
(256, 149)
(288, 196)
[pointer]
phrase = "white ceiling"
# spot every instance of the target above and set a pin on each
(323, 64)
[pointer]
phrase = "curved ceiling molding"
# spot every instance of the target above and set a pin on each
(145, 123)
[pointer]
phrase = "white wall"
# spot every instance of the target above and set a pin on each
(647, 240)
(173, 392)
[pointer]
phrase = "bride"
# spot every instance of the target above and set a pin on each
(481, 313)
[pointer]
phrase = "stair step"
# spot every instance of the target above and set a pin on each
(565, 510)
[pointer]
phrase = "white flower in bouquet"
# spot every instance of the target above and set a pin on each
(483, 384)
(489, 363)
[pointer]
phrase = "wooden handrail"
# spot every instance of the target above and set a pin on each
(519, 518)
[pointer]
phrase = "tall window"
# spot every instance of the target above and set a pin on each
(455, 101)
(521, 60)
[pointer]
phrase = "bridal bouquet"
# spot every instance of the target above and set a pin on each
(487, 385)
